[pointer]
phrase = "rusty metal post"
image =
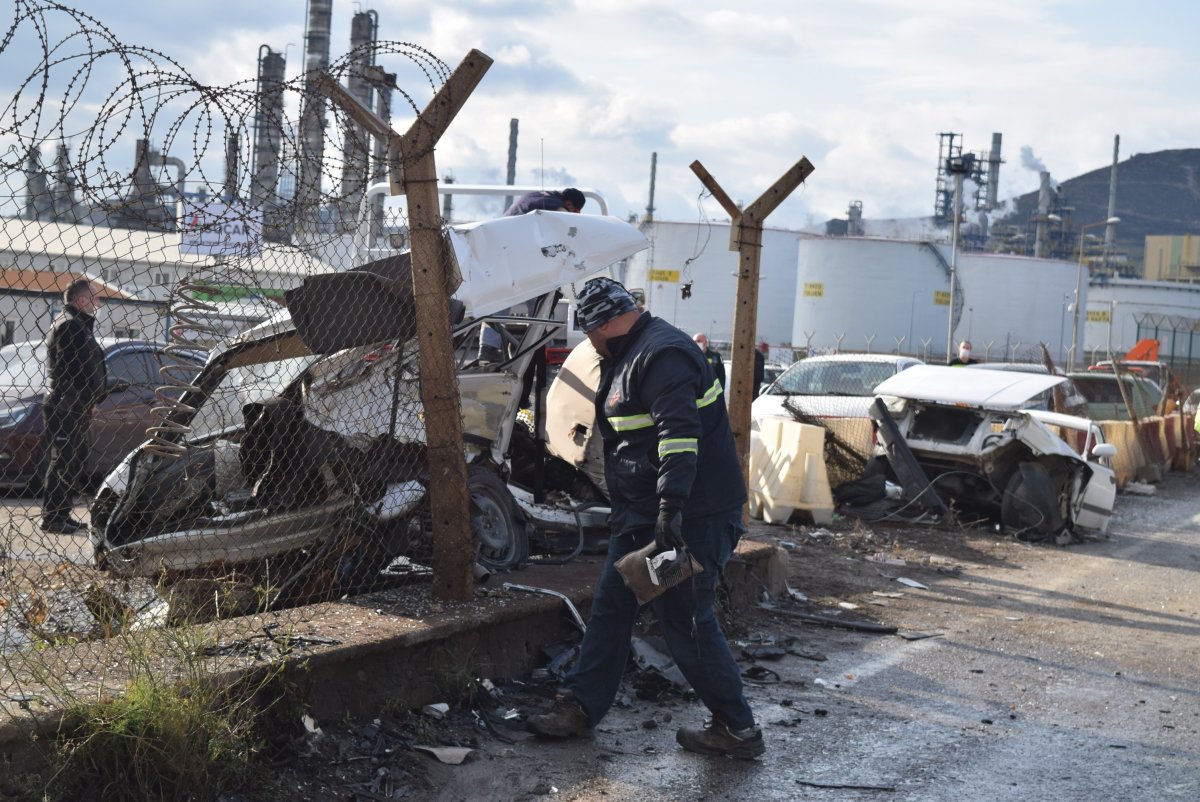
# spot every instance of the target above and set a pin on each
(412, 168)
(746, 238)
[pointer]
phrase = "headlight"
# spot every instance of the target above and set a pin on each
(11, 416)
(896, 406)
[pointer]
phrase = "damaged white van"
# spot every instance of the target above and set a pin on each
(962, 439)
(299, 449)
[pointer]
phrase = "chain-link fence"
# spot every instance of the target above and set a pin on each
(212, 395)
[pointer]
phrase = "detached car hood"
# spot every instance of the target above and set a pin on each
(501, 262)
(981, 388)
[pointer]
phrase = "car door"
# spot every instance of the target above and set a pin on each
(120, 420)
(1100, 493)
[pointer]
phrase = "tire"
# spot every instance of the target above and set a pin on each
(499, 535)
(1031, 505)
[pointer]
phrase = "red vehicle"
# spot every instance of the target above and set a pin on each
(118, 424)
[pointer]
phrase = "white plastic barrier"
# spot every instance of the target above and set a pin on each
(787, 472)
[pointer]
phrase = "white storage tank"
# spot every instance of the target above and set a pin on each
(884, 296)
(1122, 311)
(680, 253)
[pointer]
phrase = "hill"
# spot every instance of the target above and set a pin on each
(1157, 193)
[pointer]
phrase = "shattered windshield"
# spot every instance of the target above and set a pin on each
(222, 410)
(832, 378)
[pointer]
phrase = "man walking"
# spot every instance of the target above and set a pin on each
(76, 382)
(674, 477)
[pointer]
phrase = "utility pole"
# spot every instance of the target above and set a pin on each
(745, 237)
(413, 173)
(958, 166)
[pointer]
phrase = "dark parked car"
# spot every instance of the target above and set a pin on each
(118, 424)
(1104, 395)
(1074, 402)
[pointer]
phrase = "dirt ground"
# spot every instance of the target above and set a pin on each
(849, 573)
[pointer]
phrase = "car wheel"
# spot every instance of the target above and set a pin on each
(501, 540)
(1031, 505)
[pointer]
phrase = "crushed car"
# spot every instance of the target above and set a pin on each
(963, 441)
(299, 449)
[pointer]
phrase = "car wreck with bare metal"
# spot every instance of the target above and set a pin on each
(299, 449)
(963, 441)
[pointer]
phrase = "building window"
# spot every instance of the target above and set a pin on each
(130, 333)
(108, 273)
(162, 279)
(10, 331)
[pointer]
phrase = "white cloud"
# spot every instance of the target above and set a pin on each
(860, 87)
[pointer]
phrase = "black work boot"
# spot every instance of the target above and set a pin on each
(565, 720)
(717, 739)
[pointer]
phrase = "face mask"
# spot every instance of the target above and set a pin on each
(964, 353)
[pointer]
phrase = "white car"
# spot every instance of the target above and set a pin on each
(966, 436)
(301, 444)
(832, 386)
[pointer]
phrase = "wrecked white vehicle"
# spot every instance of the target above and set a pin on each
(300, 446)
(961, 438)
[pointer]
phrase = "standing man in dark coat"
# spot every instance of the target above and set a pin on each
(75, 382)
(673, 473)
(711, 355)
(964, 356)
(760, 365)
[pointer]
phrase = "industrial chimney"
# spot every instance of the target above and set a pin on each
(511, 173)
(268, 130)
(356, 148)
(312, 116)
(1039, 240)
(1110, 230)
(993, 174)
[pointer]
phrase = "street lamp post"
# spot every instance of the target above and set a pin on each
(912, 313)
(1062, 324)
(1078, 287)
(958, 166)
(1112, 313)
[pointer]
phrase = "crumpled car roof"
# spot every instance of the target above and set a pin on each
(982, 388)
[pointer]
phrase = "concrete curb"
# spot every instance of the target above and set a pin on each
(369, 652)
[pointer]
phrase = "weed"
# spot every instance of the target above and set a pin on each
(177, 729)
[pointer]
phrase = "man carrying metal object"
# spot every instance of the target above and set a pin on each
(674, 477)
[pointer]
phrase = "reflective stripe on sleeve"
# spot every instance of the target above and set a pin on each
(712, 395)
(678, 445)
(628, 423)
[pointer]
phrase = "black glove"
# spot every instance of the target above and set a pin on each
(668, 530)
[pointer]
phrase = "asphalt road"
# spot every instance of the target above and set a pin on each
(24, 540)
(1058, 673)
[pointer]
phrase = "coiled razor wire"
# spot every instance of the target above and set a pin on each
(277, 476)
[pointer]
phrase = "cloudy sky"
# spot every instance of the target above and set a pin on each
(860, 87)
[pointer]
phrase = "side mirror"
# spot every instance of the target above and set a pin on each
(1104, 450)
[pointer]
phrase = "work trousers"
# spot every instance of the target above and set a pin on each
(67, 455)
(685, 613)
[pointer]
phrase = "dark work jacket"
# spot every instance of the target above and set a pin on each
(547, 199)
(75, 374)
(713, 358)
(661, 413)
